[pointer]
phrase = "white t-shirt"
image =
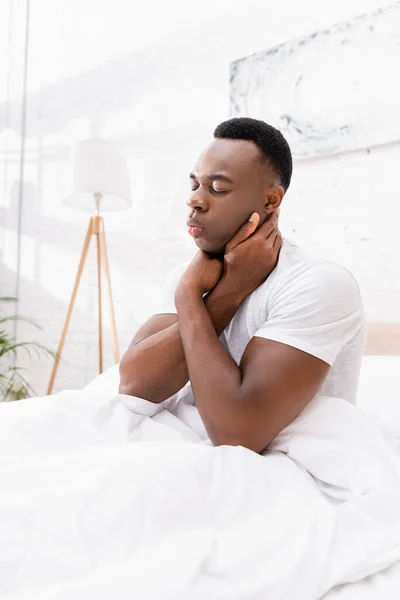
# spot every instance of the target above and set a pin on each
(308, 303)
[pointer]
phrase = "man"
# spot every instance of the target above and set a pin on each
(258, 327)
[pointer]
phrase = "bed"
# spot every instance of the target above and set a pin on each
(379, 385)
(379, 395)
(92, 503)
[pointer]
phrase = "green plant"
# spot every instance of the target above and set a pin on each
(13, 385)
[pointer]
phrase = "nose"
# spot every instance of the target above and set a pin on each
(197, 201)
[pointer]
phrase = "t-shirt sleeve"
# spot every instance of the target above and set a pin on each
(167, 296)
(316, 309)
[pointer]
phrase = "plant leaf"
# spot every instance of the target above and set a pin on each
(12, 383)
(17, 318)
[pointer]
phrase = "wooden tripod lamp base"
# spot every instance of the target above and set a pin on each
(100, 182)
(96, 229)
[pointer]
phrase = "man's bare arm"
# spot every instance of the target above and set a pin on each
(154, 366)
(249, 404)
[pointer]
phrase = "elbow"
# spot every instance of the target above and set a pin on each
(130, 387)
(125, 389)
(133, 383)
(127, 383)
(238, 439)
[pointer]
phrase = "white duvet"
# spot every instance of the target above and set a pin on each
(108, 497)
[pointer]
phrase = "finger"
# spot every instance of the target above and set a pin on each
(269, 225)
(272, 234)
(271, 237)
(244, 232)
(277, 241)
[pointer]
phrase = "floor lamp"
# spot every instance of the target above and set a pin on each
(100, 183)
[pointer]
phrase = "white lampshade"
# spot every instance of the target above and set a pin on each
(99, 167)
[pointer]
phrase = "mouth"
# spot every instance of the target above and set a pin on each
(195, 229)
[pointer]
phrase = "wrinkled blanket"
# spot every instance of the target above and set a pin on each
(115, 497)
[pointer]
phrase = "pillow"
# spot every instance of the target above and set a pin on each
(379, 390)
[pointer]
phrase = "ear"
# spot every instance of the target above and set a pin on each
(273, 198)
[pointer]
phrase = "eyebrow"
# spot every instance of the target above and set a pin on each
(214, 177)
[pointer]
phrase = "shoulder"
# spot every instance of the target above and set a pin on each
(302, 271)
(314, 305)
(307, 283)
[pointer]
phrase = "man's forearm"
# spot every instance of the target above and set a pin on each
(214, 375)
(155, 368)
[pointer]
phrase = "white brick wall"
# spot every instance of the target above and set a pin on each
(157, 84)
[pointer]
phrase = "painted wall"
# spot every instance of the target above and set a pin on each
(155, 80)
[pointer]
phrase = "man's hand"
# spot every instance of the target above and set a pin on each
(201, 276)
(251, 255)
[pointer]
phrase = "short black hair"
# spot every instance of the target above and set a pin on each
(269, 140)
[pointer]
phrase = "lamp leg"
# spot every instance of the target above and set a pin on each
(70, 306)
(97, 230)
(111, 304)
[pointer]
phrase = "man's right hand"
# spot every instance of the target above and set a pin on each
(251, 255)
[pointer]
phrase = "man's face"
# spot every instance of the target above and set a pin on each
(228, 185)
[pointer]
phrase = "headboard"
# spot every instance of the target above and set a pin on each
(383, 338)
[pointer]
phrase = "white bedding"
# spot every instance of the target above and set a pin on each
(106, 496)
(384, 585)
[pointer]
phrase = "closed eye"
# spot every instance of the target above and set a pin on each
(212, 190)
